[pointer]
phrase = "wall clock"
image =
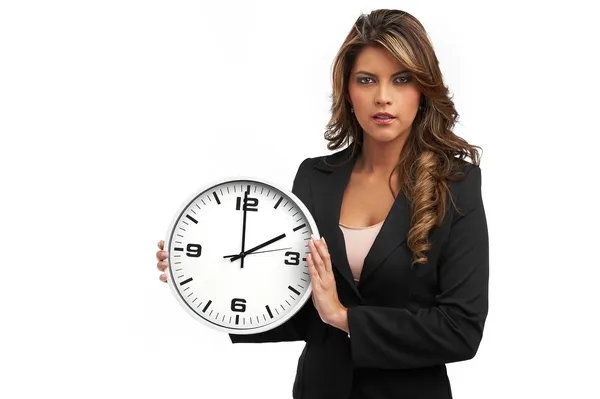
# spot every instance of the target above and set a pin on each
(237, 255)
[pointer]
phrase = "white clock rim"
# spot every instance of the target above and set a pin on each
(205, 187)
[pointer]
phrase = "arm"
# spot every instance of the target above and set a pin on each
(293, 329)
(395, 338)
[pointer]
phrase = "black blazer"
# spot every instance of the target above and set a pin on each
(405, 322)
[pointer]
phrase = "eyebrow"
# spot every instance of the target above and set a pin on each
(372, 74)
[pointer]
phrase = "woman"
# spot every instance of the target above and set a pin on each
(400, 279)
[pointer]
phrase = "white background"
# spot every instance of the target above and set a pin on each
(114, 112)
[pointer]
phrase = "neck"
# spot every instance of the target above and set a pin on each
(378, 159)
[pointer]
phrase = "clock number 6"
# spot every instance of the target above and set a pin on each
(251, 204)
(238, 305)
(295, 258)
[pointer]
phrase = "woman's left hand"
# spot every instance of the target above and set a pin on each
(324, 290)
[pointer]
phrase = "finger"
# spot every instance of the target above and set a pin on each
(324, 255)
(315, 258)
(162, 255)
(312, 270)
(161, 244)
(163, 278)
(162, 265)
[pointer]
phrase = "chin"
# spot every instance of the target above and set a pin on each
(384, 137)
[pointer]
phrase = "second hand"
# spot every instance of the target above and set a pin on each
(259, 252)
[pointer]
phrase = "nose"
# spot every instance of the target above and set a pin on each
(382, 96)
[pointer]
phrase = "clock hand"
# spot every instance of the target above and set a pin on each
(244, 228)
(264, 244)
(260, 252)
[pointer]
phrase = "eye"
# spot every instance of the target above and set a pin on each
(406, 79)
(361, 80)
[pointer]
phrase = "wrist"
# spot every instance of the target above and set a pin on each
(340, 319)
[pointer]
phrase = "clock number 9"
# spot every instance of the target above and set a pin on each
(251, 204)
(194, 250)
(295, 258)
(238, 305)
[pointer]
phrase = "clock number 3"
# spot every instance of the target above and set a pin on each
(251, 204)
(295, 260)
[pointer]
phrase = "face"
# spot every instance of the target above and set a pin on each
(378, 84)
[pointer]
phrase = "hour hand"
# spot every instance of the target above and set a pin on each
(264, 244)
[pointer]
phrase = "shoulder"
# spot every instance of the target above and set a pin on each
(327, 162)
(465, 185)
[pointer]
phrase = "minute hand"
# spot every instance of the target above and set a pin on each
(264, 244)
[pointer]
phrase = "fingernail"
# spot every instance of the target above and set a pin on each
(323, 238)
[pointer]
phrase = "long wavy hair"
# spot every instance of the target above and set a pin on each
(432, 152)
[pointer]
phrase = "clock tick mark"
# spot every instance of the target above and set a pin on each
(186, 281)
(216, 197)
(295, 291)
(299, 227)
(278, 202)
(207, 305)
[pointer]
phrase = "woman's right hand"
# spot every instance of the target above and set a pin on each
(162, 263)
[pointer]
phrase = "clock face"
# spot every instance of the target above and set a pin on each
(209, 276)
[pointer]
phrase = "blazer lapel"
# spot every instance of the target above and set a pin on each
(327, 189)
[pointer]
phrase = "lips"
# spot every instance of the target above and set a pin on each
(383, 115)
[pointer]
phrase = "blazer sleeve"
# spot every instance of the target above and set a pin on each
(295, 328)
(450, 331)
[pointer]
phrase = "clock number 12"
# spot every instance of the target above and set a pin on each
(250, 204)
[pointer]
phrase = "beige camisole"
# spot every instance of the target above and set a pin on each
(358, 242)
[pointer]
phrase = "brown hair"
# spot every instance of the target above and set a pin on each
(432, 151)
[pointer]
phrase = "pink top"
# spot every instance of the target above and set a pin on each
(358, 242)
